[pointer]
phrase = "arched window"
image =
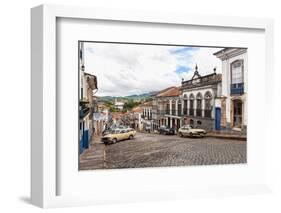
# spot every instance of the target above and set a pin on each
(179, 113)
(173, 107)
(208, 105)
(191, 104)
(167, 107)
(199, 104)
(185, 104)
(237, 81)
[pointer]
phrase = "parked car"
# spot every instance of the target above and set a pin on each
(187, 130)
(165, 130)
(118, 135)
(148, 128)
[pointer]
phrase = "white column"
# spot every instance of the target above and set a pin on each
(195, 106)
(182, 106)
(176, 108)
(203, 107)
(188, 106)
(213, 108)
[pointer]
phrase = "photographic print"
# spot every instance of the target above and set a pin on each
(161, 105)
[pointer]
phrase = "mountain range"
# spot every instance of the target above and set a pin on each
(139, 97)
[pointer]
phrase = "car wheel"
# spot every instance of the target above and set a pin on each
(114, 140)
(131, 137)
(181, 135)
(190, 134)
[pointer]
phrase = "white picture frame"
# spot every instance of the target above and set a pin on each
(44, 173)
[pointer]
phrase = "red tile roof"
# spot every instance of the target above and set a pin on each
(169, 92)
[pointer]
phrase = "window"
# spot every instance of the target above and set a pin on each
(237, 84)
(236, 72)
(167, 108)
(173, 107)
(208, 106)
(185, 104)
(199, 104)
(179, 108)
(191, 104)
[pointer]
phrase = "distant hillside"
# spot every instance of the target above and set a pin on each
(130, 97)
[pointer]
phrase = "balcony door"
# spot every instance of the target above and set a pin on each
(237, 80)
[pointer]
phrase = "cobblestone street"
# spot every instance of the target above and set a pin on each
(153, 150)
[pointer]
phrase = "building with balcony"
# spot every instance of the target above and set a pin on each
(137, 117)
(234, 88)
(87, 86)
(167, 108)
(147, 115)
(198, 98)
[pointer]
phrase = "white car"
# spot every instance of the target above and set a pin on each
(187, 130)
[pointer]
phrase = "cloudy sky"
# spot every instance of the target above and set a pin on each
(128, 69)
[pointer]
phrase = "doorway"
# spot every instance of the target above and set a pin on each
(237, 113)
(218, 118)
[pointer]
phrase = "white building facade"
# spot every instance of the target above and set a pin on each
(199, 95)
(234, 88)
(87, 84)
(147, 116)
(167, 108)
(119, 104)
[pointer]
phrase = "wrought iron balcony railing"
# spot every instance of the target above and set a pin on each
(191, 112)
(237, 89)
(207, 113)
(84, 111)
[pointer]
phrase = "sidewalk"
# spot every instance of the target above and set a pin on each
(96, 139)
(227, 135)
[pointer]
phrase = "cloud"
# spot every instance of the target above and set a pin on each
(183, 50)
(182, 69)
(127, 69)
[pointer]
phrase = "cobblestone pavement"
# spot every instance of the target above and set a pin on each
(153, 150)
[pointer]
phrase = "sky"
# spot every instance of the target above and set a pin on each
(131, 69)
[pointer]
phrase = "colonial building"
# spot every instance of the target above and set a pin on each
(234, 88)
(167, 108)
(101, 118)
(137, 113)
(198, 100)
(118, 104)
(147, 114)
(88, 84)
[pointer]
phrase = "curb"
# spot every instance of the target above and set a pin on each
(233, 137)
